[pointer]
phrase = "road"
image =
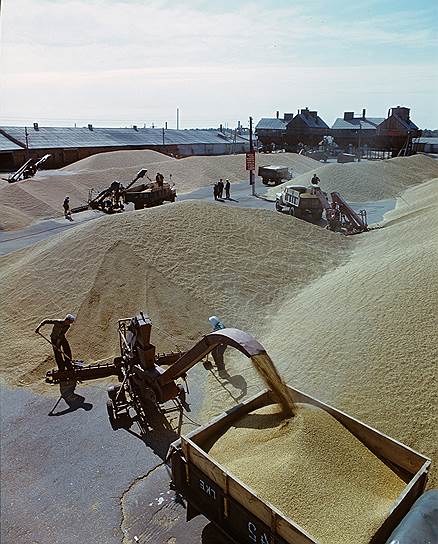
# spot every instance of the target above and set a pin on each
(67, 477)
(240, 197)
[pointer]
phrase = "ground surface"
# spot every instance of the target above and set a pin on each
(76, 480)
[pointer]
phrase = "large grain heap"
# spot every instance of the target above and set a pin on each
(369, 181)
(42, 196)
(313, 470)
(177, 262)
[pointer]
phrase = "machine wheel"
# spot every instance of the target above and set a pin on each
(112, 391)
(278, 206)
(292, 210)
(112, 415)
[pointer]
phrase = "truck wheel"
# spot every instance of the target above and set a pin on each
(112, 391)
(292, 211)
(278, 206)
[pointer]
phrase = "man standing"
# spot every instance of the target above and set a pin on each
(215, 191)
(218, 351)
(220, 188)
(61, 347)
(227, 189)
(66, 206)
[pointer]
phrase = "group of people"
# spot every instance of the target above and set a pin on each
(218, 189)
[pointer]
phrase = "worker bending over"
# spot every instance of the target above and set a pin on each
(218, 351)
(61, 347)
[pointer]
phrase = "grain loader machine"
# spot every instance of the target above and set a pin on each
(149, 380)
(28, 169)
(146, 195)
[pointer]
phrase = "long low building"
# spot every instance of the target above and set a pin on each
(70, 144)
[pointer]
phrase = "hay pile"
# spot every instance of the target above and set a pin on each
(370, 181)
(364, 336)
(42, 196)
(181, 263)
(313, 470)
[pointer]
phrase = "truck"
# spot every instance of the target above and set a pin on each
(235, 508)
(274, 175)
(299, 201)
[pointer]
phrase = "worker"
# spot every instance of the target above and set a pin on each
(218, 351)
(227, 189)
(66, 206)
(315, 185)
(315, 180)
(159, 178)
(61, 347)
(220, 188)
(215, 191)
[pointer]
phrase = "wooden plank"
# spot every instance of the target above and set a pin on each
(195, 455)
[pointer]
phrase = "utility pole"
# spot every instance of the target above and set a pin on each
(177, 118)
(251, 150)
(26, 136)
(359, 151)
(163, 135)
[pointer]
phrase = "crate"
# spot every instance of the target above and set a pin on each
(236, 509)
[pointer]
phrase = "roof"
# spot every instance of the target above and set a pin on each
(7, 145)
(271, 123)
(72, 137)
(309, 120)
(407, 124)
(366, 123)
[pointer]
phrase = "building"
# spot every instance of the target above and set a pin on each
(271, 130)
(397, 131)
(306, 128)
(70, 144)
(425, 145)
(354, 132)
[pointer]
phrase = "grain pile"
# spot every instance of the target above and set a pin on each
(180, 263)
(313, 470)
(363, 337)
(370, 181)
(42, 196)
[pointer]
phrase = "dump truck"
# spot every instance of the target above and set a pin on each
(297, 200)
(274, 175)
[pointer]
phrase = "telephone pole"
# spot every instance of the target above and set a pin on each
(251, 150)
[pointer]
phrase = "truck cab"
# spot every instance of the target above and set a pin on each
(299, 201)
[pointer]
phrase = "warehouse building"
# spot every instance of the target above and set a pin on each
(354, 132)
(271, 130)
(397, 131)
(307, 129)
(426, 145)
(70, 144)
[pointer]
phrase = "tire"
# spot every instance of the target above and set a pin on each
(111, 415)
(112, 391)
(278, 206)
(292, 211)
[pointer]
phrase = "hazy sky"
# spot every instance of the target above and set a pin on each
(124, 62)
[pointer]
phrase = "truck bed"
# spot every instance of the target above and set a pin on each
(234, 507)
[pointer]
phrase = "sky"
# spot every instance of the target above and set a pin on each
(125, 62)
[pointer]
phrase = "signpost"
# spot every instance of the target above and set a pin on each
(250, 160)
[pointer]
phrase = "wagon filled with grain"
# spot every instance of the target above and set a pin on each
(320, 476)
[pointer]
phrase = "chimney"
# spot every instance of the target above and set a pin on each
(90, 126)
(278, 114)
(305, 112)
(348, 115)
(135, 127)
(165, 125)
(220, 128)
(364, 111)
(35, 126)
